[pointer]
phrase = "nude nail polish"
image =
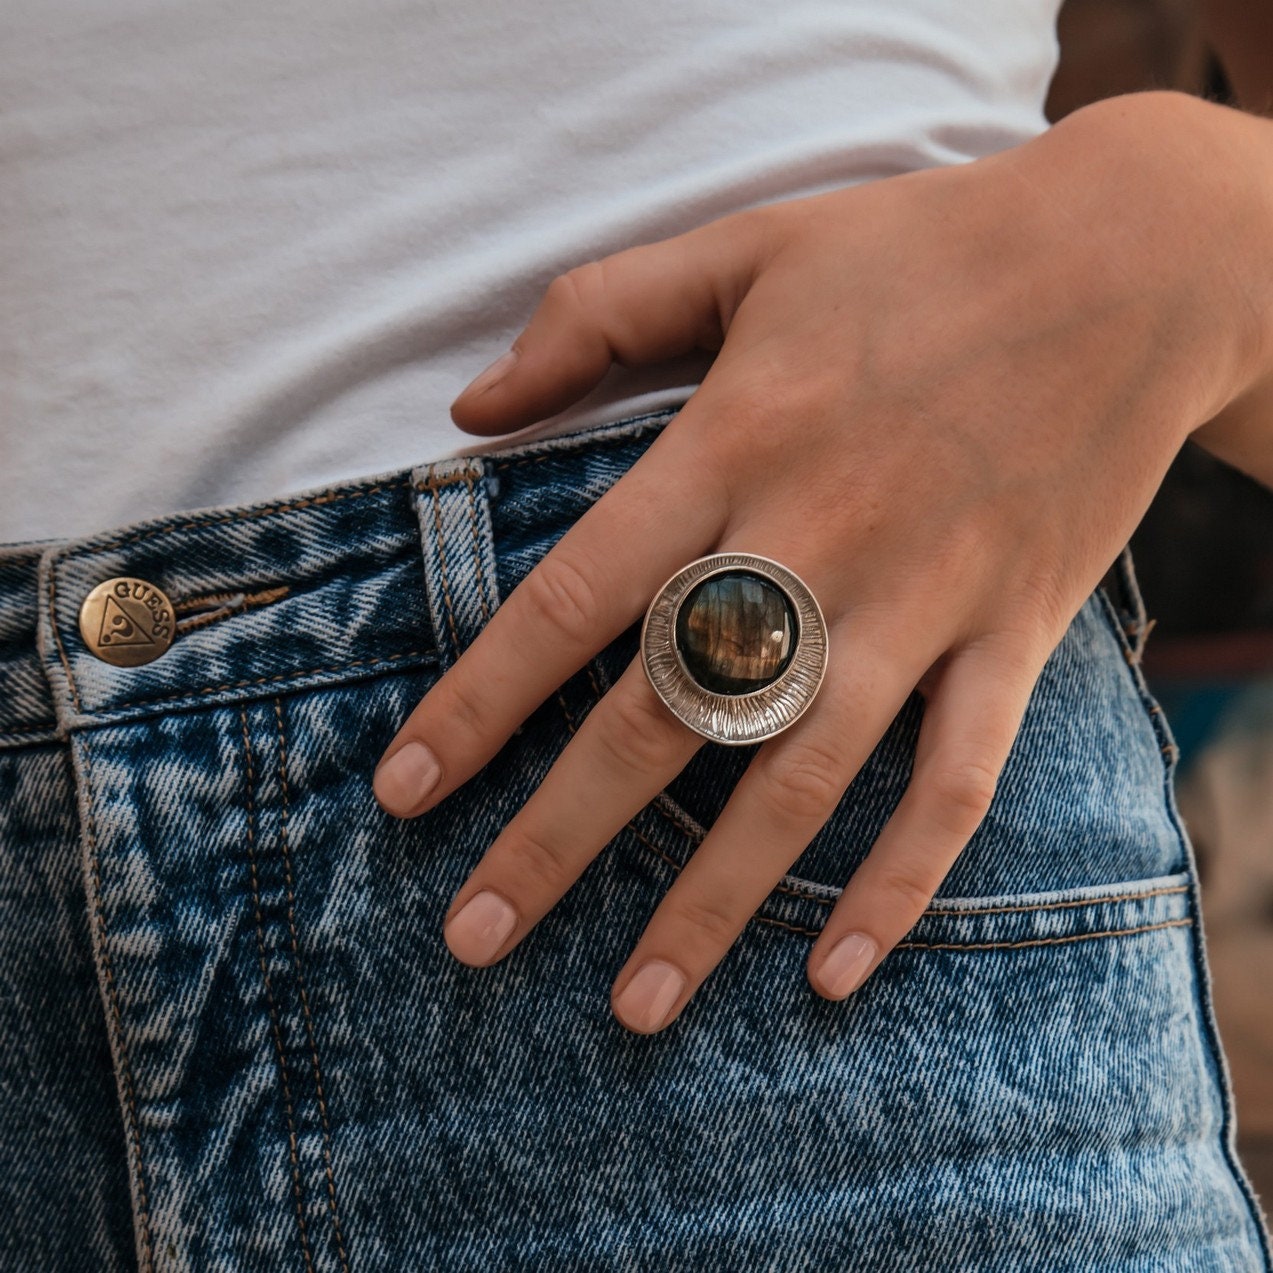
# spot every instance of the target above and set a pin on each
(845, 968)
(646, 1001)
(480, 927)
(406, 779)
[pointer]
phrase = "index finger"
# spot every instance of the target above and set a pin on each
(593, 584)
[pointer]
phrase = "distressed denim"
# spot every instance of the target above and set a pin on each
(233, 1037)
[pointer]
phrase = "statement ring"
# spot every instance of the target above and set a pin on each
(736, 647)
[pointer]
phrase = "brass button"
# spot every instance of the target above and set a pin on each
(127, 622)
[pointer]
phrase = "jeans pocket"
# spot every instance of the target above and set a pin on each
(1083, 801)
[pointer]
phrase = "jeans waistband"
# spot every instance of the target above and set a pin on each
(396, 571)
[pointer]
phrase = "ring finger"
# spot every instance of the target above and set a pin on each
(785, 797)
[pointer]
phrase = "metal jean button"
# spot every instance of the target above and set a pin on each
(127, 622)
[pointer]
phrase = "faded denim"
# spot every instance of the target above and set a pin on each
(234, 1039)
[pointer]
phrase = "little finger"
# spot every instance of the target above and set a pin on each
(971, 720)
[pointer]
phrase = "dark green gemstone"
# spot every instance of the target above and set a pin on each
(736, 632)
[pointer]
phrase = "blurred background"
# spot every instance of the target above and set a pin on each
(1204, 556)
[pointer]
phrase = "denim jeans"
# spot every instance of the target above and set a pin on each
(233, 1037)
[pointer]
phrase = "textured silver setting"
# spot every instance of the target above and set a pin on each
(735, 719)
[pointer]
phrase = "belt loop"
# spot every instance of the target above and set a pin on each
(458, 546)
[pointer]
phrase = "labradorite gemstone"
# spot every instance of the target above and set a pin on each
(736, 632)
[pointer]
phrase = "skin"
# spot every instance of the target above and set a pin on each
(972, 380)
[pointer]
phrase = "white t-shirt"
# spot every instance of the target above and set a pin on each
(253, 246)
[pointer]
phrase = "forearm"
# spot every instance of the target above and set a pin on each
(1241, 33)
(1208, 170)
(1242, 432)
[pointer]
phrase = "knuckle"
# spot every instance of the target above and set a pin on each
(1047, 606)
(762, 228)
(707, 921)
(560, 597)
(899, 892)
(1039, 605)
(962, 793)
(461, 705)
(804, 782)
(637, 732)
(577, 288)
(538, 860)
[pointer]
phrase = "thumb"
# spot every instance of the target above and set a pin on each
(642, 305)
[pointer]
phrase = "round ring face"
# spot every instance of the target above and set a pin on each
(736, 647)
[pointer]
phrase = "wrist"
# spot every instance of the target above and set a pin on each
(1195, 207)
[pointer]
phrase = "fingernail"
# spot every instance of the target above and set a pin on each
(493, 374)
(406, 778)
(644, 1003)
(844, 969)
(480, 927)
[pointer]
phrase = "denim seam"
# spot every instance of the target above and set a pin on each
(1138, 625)
(595, 442)
(50, 736)
(234, 603)
(115, 1025)
(441, 542)
(1067, 940)
(941, 912)
(440, 484)
(223, 598)
(1202, 995)
(592, 671)
(269, 997)
(667, 857)
(948, 914)
(300, 984)
(1151, 709)
(477, 551)
(938, 912)
(271, 680)
(49, 726)
(274, 510)
(918, 945)
(57, 640)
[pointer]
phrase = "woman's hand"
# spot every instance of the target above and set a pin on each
(944, 400)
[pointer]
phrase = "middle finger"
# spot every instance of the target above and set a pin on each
(628, 748)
